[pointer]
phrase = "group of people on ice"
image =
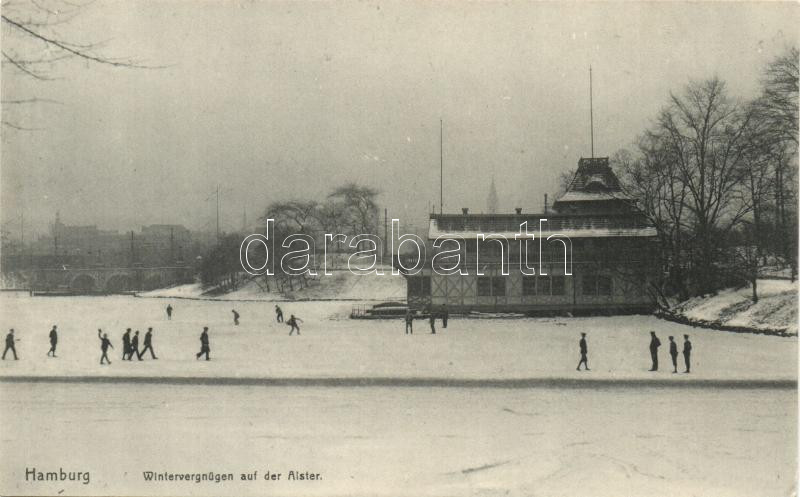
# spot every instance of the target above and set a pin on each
(130, 343)
(655, 343)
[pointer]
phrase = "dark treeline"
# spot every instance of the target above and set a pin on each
(350, 209)
(717, 177)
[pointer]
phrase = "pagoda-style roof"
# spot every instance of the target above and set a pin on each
(593, 181)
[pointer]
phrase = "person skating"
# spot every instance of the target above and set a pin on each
(105, 343)
(432, 320)
(584, 351)
(293, 323)
(135, 347)
(655, 343)
(148, 344)
(235, 317)
(10, 345)
(445, 316)
(687, 351)
(409, 322)
(169, 312)
(278, 314)
(204, 346)
(126, 345)
(673, 352)
(53, 342)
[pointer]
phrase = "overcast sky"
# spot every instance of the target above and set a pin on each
(275, 100)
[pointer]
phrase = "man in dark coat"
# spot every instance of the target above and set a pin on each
(687, 351)
(169, 311)
(53, 342)
(278, 314)
(204, 346)
(673, 352)
(148, 344)
(445, 316)
(293, 323)
(432, 320)
(135, 347)
(10, 345)
(655, 343)
(126, 345)
(235, 317)
(105, 343)
(409, 322)
(584, 351)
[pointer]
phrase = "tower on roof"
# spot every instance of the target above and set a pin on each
(594, 188)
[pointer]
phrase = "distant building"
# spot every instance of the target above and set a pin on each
(613, 254)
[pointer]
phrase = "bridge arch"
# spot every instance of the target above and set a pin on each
(83, 283)
(119, 282)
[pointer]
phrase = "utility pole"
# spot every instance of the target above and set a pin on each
(385, 230)
(132, 254)
(591, 116)
(441, 167)
(217, 213)
(172, 245)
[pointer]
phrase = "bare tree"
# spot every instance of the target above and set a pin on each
(33, 47)
(361, 208)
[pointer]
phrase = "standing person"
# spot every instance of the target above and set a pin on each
(204, 347)
(135, 347)
(235, 317)
(584, 351)
(169, 312)
(445, 315)
(10, 345)
(655, 343)
(293, 323)
(409, 322)
(148, 344)
(278, 314)
(53, 342)
(126, 345)
(673, 352)
(687, 351)
(105, 343)
(432, 319)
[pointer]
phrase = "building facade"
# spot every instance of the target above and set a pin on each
(593, 252)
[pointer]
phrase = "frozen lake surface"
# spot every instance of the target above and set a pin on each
(403, 441)
(622, 437)
(332, 345)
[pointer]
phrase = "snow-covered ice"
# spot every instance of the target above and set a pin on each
(404, 441)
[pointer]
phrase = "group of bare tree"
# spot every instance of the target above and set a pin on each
(718, 179)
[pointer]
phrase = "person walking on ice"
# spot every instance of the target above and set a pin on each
(126, 345)
(655, 343)
(10, 345)
(53, 342)
(148, 344)
(687, 351)
(584, 351)
(105, 343)
(293, 323)
(235, 317)
(673, 352)
(433, 322)
(278, 314)
(204, 347)
(409, 322)
(169, 312)
(135, 347)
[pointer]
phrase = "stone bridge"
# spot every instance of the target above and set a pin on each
(108, 280)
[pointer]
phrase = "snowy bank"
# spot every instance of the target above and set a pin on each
(340, 285)
(734, 309)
